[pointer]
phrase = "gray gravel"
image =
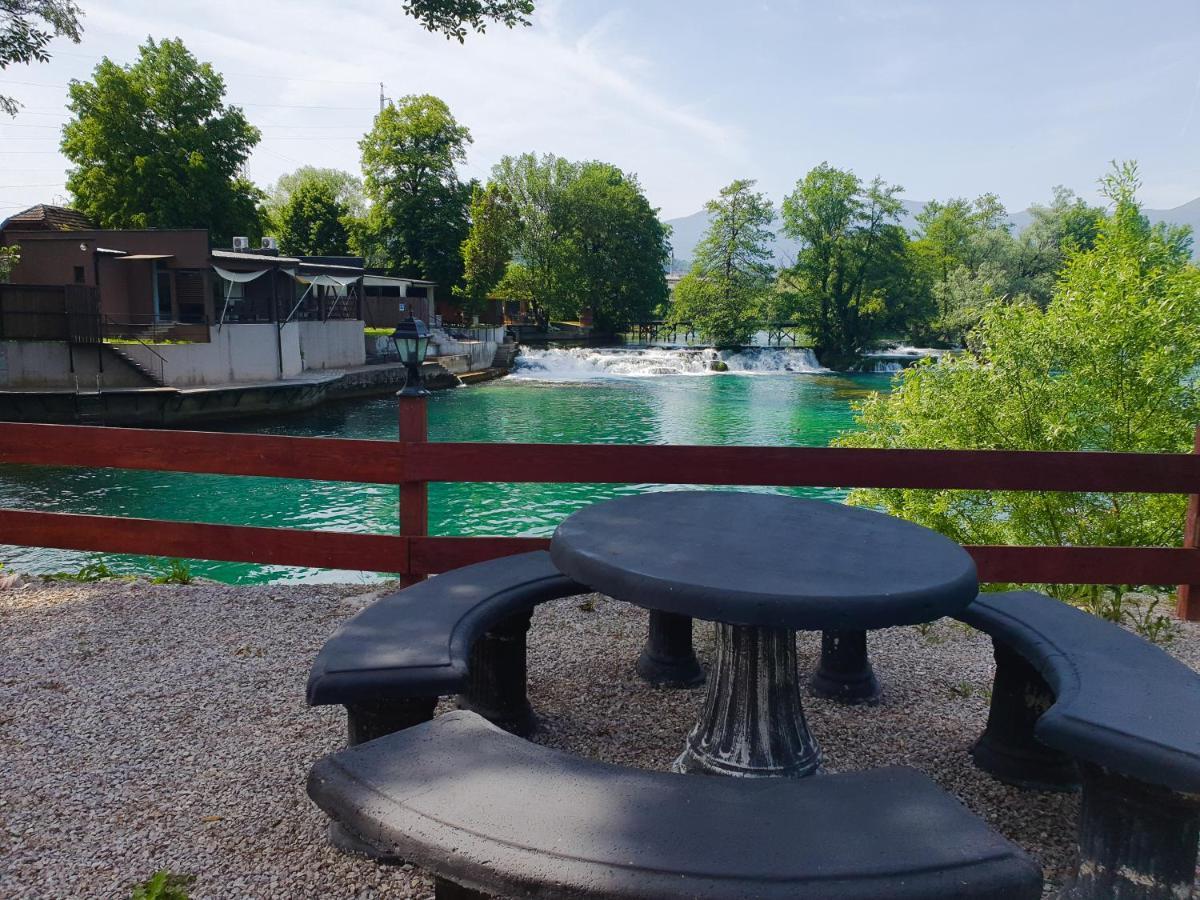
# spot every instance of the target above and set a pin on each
(147, 726)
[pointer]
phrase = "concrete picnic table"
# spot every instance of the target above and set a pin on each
(761, 567)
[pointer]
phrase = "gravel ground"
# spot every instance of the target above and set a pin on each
(145, 727)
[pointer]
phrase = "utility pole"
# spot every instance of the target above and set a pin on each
(382, 99)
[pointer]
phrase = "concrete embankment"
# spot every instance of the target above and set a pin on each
(159, 406)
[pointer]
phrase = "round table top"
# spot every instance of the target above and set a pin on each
(765, 560)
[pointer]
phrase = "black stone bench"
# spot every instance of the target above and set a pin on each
(458, 633)
(489, 813)
(1079, 699)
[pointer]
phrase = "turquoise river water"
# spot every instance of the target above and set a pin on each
(555, 396)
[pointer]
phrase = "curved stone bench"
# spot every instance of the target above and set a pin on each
(1076, 696)
(458, 633)
(489, 812)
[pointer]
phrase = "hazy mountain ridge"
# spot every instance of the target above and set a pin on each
(687, 230)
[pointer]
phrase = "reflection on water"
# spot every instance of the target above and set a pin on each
(795, 410)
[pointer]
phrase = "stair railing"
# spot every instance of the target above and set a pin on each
(162, 360)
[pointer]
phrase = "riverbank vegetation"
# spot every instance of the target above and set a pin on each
(859, 276)
(567, 238)
(1109, 363)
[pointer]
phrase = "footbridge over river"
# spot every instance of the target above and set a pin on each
(778, 334)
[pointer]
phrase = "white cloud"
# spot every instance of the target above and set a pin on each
(564, 86)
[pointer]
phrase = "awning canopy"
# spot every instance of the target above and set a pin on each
(133, 257)
(326, 280)
(239, 277)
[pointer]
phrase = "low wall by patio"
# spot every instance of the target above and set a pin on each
(47, 365)
(335, 344)
(235, 353)
(251, 353)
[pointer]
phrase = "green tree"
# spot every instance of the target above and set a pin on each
(488, 247)
(154, 146)
(418, 216)
(969, 254)
(9, 257)
(1067, 224)
(346, 188)
(534, 186)
(26, 29)
(313, 221)
(452, 17)
(1108, 365)
(723, 317)
(853, 275)
(614, 249)
(731, 268)
(584, 234)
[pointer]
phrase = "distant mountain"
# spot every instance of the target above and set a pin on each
(687, 231)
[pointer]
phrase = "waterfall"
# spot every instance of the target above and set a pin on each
(587, 364)
(887, 366)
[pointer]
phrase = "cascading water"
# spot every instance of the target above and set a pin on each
(884, 366)
(586, 364)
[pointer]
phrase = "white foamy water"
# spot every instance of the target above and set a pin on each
(586, 364)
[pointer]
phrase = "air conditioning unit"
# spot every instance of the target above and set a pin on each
(241, 243)
(270, 243)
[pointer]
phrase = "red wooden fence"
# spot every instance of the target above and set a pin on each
(413, 462)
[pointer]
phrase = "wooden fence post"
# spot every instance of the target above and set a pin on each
(414, 495)
(1189, 594)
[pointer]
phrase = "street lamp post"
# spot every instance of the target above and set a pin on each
(411, 338)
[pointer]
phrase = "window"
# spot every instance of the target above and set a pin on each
(80, 277)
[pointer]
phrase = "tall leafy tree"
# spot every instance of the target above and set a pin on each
(1065, 226)
(614, 248)
(344, 186)
(853, 275)
(153, 145)
(418, 216)
(583, 237)
(488, 248)
(731, 270)
(534, 188)
(26, 29)
(314, 221)
(971, 258)
(1108, 365)
(453, 17)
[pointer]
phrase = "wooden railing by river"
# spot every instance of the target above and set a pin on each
(413, 462)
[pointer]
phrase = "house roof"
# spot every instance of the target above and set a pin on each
(237, 255)
(44, 217)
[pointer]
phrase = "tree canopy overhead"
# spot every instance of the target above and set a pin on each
(418, 216)
(452, 17)
(153, 145)
(26, 29)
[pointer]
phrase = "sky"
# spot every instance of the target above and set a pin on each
(944, 98)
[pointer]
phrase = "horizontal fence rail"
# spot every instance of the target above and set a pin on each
(415, 462)
(392, 462)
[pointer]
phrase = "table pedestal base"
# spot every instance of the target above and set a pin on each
(752, 724)
(668, 659)
(845, 673)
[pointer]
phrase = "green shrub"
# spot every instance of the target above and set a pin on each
(164, 885)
